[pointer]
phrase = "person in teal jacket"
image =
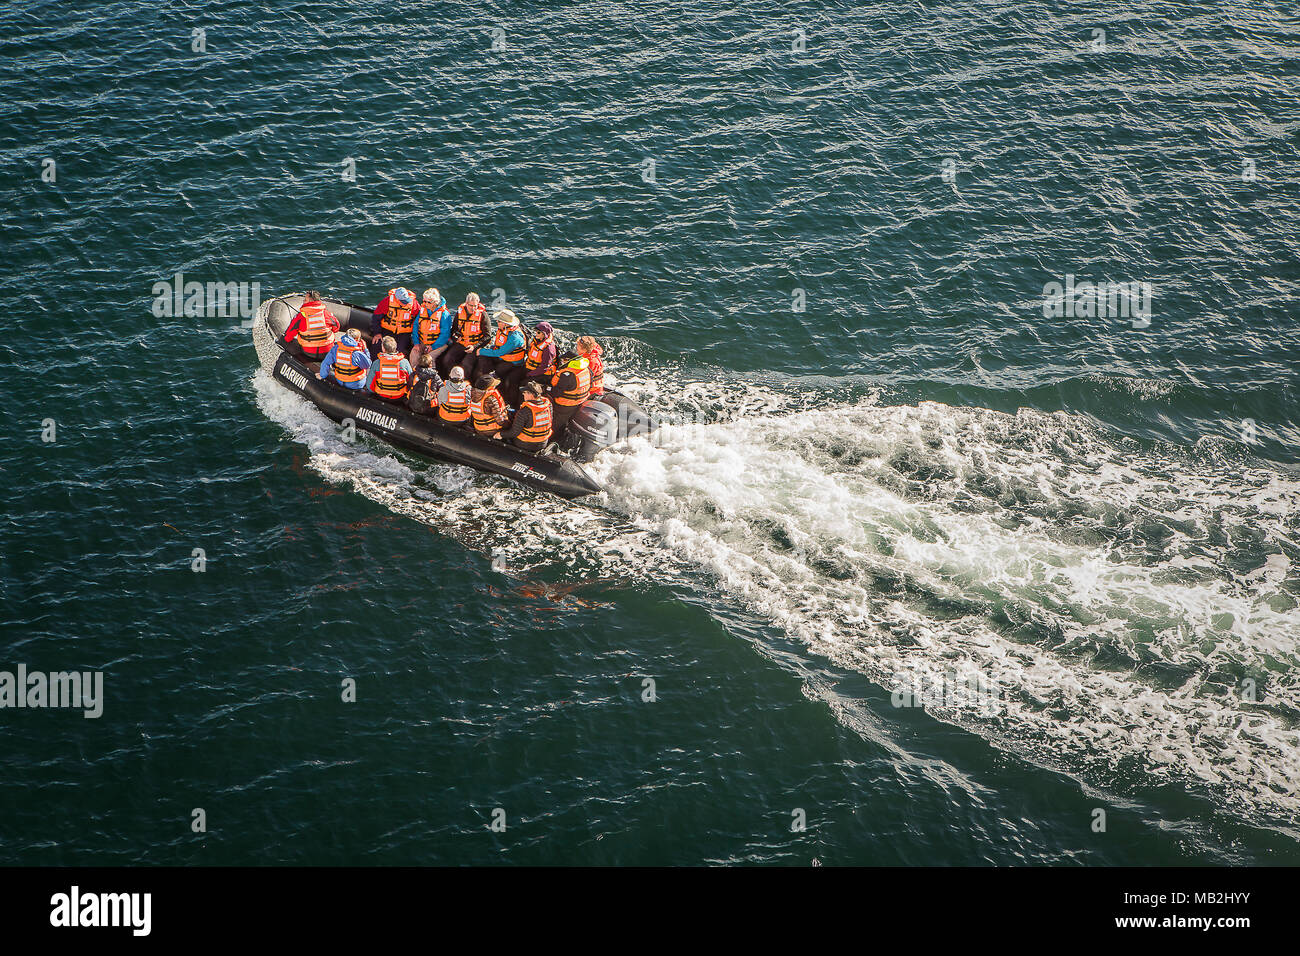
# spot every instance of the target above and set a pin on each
(502, 352)
(432, 313)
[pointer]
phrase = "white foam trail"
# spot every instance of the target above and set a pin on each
(1116, 602)
(944, 547)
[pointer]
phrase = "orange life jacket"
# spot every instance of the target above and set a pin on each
(456, 408)
(499, 340)
(581, 387)
(471, 326)
(389, 380)
(597, 372)
(315, 332)
(344, 369)
(430, 324)
(540, 430)
(483, 420)
(535, 353)
(398, 319)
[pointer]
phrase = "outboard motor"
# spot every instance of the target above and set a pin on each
(633, 420)
(593, 427)
(602, 422)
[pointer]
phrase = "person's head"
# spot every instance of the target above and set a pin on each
(486, 382)
(585, 344)
(457, 374)
(404, 296)
(471, 299)
(507, 320)
(426, 359)
(312, 295)
(533, 389)
(544, 330)
(390, 345)
(357, 335)
(432, 297)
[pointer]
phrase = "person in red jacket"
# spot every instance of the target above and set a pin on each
(311, 333)
(395, 316)
(588, 349)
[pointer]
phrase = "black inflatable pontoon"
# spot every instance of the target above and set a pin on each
(598, 424)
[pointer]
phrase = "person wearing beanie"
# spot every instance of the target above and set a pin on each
(570, 388)
(453, 399)
(394, 316)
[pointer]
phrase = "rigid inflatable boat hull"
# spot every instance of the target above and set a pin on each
(398, 425)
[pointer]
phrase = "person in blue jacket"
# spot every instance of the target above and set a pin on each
(347, 361)
(432, 332)
(501, 353)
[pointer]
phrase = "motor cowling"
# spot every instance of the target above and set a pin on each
(632, 419)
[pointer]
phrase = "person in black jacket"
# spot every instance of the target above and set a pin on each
(531, 428)
(469, 330)
(425, 382)
(570, 387)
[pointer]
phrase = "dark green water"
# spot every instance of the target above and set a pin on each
(919, 479)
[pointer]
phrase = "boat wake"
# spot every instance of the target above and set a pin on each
(1123, 613)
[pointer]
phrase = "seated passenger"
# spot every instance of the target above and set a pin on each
(453, 399)
(347, 361)
(311, 332)
(487, 409)
(589, 350)
(538, 364)
(570, 387)
(390, 374)
(531, 429)
(468, 331)
(425, 383)
(393, 316)
(432, 327)
(505, 351)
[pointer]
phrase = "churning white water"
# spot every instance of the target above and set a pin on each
(1128, 615)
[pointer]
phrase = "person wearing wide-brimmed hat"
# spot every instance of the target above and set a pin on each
(500, 353)
(538, 364)
(487, 409)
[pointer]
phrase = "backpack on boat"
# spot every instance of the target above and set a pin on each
(423, 398)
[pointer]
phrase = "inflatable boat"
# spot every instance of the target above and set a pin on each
(598, 424)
